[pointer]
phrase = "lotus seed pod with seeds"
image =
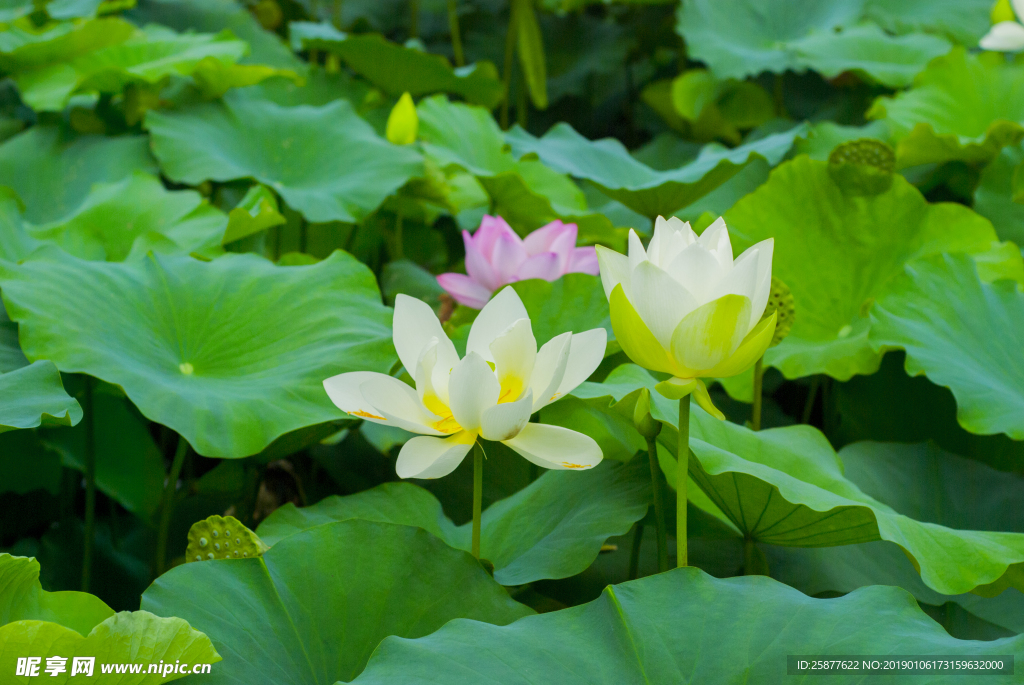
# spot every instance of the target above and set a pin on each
(780, 302)
(222, 537)
(862, 167)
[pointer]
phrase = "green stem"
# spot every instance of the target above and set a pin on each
(90, 485)
(453, 28)
(755, 417)
(478, 495)
(510, 48)
(521, 106)
(812, 395)
(414, 18)
(659, 504)
(682, 477)
(337, 14)
(634, 553)
(167, 505)
(748, 556)
(398, 247)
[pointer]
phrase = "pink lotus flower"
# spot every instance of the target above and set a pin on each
(495, 256)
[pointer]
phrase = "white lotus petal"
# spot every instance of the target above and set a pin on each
(586, 351)
(472, 388)
(344, 391)
(398, 404)
(660, 300)
(415, 324)
(636, 251)
(763, 289)
(554, 447)
(514, 353)
(504, 421)
(716, 239)
(549, 369)
(1018, 9)
(741, 280)
(674, 235)
(495, 318)
(1006, 36)
(434, 398)
(425, 457)
(614, 270)
(696, 269)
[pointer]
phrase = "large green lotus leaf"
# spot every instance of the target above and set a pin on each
(314, 607)
(24, 47)
(962, 107)
(396, 69)
(993, 198)
(747, 37)
(343, 173)
(129, 465)
(927, 484)
(230, 353)
(15, 9)
(137, 637)
(134, 216)
(15, 245)
(553, 528)
(837, 251)
(147, 57)
(785, 486)
(34, 396)
(22, 598)
(965, 21)
(454, 134)
(961, 333)
(575, 302)
(53, 171)
(890, 406)
(679, 626)
(211, 16)
(609, 165)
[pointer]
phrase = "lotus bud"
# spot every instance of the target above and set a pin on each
(403, 122)
(646, 425)
(1002, 11)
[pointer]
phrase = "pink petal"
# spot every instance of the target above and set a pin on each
(583, 260)
(477, 265)
(546, 265)
(491, 228)
(545, 237)
(464, 289)
(508, 255)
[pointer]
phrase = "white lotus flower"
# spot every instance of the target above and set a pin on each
(684, 307)
(490, 393)
(1006, 36)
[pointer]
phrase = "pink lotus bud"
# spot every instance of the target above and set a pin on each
(496, 256)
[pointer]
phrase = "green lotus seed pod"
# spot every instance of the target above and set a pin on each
(232, 540)
(862, 167)
(780, 301)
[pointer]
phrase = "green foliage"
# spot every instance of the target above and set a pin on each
(179, 363)
(342, 175)
(22, 598)
(979, 357)
(742, 621)
(266, 616)
(862, 241)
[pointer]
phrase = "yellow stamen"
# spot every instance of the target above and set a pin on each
(573, 466)
(447, 425)
(366, 415)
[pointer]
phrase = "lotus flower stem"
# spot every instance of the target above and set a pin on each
(659, 504)
(337, 14)
(748, 556)
(478, 495)
(682, 476)
(90, 485)
(414, 18)
(812, 395)
(506, 74)
(634, 552)
(453, 28)
(167, 505)
(755, 417)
